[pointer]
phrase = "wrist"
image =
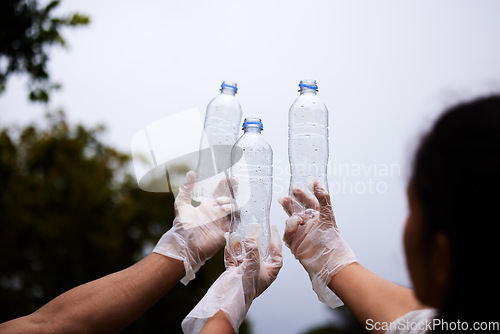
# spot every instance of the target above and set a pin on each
(173, 245)
(217, 324)
(337, 281)
(225, 296)
(174, 267)
(322, 284)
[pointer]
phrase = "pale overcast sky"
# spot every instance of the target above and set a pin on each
(385, 69)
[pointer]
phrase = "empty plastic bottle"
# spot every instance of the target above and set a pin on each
(252, 183)
(222, 120)
(308, 137)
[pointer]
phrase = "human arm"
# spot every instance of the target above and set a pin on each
(247, 275)
(372, 298)
(111, 303)
(315, 240)
(217, 324)
(106, 305)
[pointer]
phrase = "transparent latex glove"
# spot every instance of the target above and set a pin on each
(197, 232)
(246, 277)
(313, 237)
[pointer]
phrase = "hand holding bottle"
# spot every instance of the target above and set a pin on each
(245, 279)
(197, 232)
(313, 237)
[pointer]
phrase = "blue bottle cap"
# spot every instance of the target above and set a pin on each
(229, 86)
(308, 86)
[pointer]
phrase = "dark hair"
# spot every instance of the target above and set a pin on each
(456, 179)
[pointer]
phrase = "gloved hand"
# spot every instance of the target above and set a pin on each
(197, 232)
(246, 277)
(313, 237)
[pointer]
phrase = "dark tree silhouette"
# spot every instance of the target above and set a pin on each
(26, 33)
(70, 212)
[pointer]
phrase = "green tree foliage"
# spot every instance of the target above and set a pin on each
(70, 213)
(26, 32)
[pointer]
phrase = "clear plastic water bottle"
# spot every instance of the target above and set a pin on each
(252, 183)
(308, 138)
(222, 120)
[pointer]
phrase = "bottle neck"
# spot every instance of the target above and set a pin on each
(308, 87)
(229, 88)
(252, 130)
(252, 125)
(307, 91)
(228, 91)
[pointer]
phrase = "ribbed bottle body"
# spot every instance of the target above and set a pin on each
(222, 120)
(252, 177)
(308, 138)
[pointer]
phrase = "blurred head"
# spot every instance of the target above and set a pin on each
(454, 199)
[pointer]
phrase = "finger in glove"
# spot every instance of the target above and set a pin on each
(186, 189)
(306, 200)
